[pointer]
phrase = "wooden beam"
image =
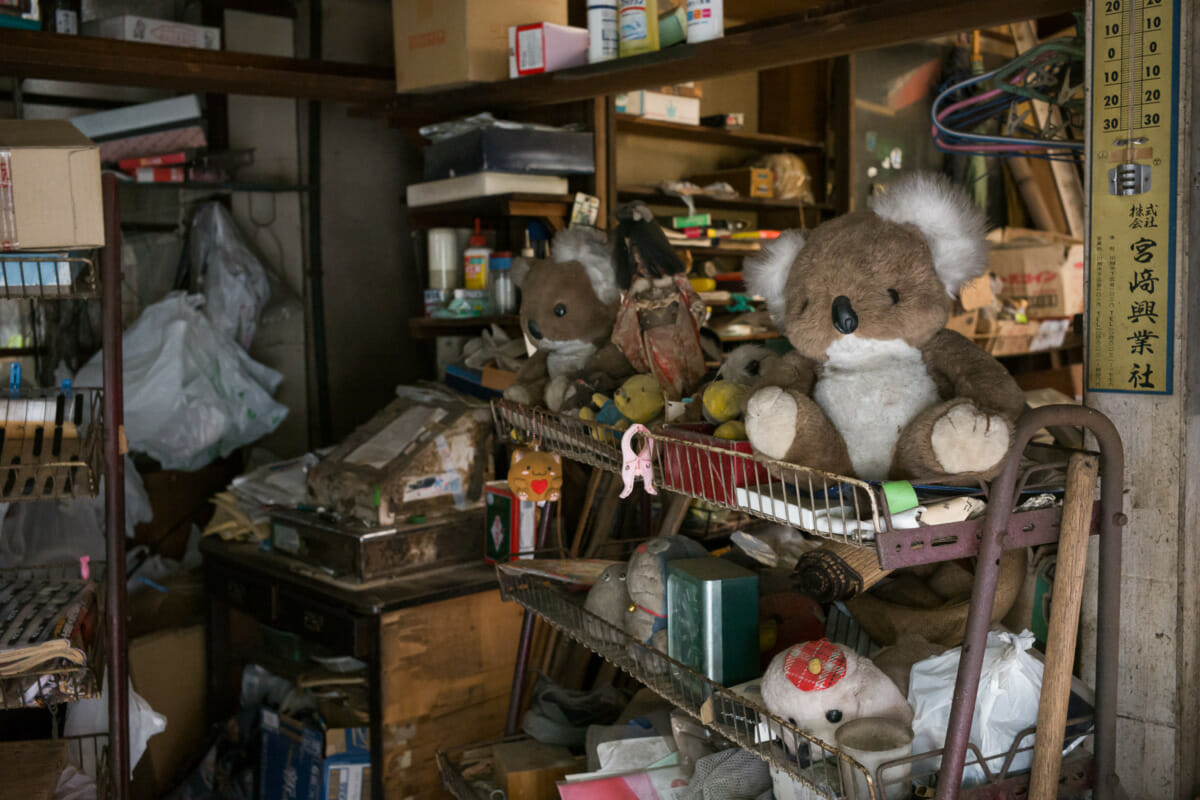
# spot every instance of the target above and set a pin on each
(33, 54)
(834, 30)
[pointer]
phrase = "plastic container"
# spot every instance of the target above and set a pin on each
(704, 473)
(705, 20)
(672, 27)
(475, 261)
(503, 290)
(443, 258)
(604, 38)
(638, 20)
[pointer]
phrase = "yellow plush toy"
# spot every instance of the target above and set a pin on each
(723, 401)
(640, 399)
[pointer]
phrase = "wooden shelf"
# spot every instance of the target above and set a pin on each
(836, 28)
(34, 54)
(718, 250)
(627, 123)
(498, 205)
(429, 328)
(653, 196)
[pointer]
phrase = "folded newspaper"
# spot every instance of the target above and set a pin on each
(43, 621)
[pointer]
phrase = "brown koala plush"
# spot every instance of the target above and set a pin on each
(568, 305)
(876, 386)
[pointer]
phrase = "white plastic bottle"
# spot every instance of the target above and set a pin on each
(604, 37)
(705, 20)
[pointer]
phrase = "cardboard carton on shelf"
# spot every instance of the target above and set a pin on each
(132, 28)
(49, 187)
(455, 42)
(545, 47)
(660, 107)
(1044, 268)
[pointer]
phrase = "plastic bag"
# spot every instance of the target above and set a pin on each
(233, 280)
(191, 394)
(87, 717)
(1010, 686)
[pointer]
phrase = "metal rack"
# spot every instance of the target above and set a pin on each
(50, 445)
(849, 510)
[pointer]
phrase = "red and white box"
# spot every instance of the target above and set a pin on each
(545, 47)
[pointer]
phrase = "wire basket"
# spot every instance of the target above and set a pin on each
(817, 769)
(35, 606)
(50, 445)
(467, 771)
(59, 276)
(688, 461)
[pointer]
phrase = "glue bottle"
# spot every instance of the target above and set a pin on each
(638, 20)
(603, 39)
(475, 260)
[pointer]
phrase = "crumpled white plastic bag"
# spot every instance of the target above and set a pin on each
(87, 717)
(1010, 686)
(233, 280)
(191, 393)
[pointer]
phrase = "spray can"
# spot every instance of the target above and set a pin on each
(604, 38)
(639, 26)
(705, 20)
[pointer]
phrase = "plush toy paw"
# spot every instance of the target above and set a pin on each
(771, 421)
(968, 440)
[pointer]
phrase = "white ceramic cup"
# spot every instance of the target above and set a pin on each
(872, 741)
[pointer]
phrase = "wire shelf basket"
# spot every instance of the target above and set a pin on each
(466, 771)
(50, 445)
(816, 768)
(49, 276)
(55, 610)
(688, 460)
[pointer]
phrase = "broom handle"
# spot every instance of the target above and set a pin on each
(1064, 625)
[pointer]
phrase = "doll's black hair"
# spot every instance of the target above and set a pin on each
(639, 239)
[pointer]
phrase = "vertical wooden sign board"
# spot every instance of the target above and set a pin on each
(1132, 152)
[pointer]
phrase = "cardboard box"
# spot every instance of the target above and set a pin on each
(168, 669)
(746, 181)
(545, 47)
(976, 294)
(49, 187)
(300, 763)
(529, 770)
(661, 107)
(452, 42)
(511, 528)
(1046, 268)
(530, 152)
(130, 28)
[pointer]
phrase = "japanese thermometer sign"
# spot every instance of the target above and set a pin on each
(1132, 141)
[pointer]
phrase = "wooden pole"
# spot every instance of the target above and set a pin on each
(1064, 625)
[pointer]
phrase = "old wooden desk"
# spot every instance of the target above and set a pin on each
(439, 645)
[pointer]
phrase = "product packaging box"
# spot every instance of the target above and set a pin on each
(451, 42)
(130, 28)
(661, 107)
(1045, 268)
(712, 618)
(49, 187)
(511, 525)
(302, 763)
(545, 47)
(529, 152)
(747, 181)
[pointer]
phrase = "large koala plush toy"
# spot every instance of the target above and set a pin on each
(877, 387)
(568, 305)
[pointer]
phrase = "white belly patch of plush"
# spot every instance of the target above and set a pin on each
(871, 389)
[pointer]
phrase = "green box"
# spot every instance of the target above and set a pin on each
(694, 221)
(712, 618)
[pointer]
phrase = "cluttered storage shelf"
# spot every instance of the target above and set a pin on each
(770, 142)
(653, 196)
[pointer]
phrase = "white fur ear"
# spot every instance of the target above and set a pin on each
(951, 224)
(766, 274)
(590, 248)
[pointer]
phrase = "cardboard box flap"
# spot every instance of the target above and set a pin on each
(40, 133)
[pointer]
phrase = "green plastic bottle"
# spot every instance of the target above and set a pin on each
(638, 21)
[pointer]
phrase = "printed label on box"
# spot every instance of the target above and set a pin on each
(530, 50)
(8, 211)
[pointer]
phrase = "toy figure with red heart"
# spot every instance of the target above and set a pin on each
(535, 475)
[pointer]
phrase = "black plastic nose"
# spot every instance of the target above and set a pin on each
(534, 330)
(844, 318)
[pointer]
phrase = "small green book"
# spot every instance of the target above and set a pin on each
(694, 221)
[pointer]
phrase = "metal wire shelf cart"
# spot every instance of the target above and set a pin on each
(50, 445)
(59, 276)
(849, 510)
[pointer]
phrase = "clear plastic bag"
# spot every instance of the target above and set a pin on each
(87, 717)
(1010, 686)
(233, 280)
(191, 393)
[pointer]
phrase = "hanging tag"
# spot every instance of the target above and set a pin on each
(533, 475)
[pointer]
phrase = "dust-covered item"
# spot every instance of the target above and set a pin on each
(562, 716)
(733, 774)
(427, 451)
(351, 550)
(837, 571)
(1042, 267)
(49, 186)
(233, 281)
(646, 581)
(528, 769)
(608, 598)
(191, 394)
(897, 660)
(712, 618)
(510, 525)
(792, 179)
(746, 181)
(1010, 687)
(873, 742)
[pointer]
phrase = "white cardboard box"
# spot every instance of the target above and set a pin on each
(130, 28)
(661, 107)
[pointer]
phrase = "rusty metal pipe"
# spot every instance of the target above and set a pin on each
(983, 594)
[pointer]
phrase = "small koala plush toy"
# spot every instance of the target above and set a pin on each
(568, 305)
(877, 387)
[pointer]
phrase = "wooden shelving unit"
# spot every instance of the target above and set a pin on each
(628, 123)
(430, 328)
(653, 196)
(553, 206)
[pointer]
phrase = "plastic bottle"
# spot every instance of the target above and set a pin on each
(705, 20)
(502, 288)
(639, 26)
(443, 258)
(475, 261)
(604, 39)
